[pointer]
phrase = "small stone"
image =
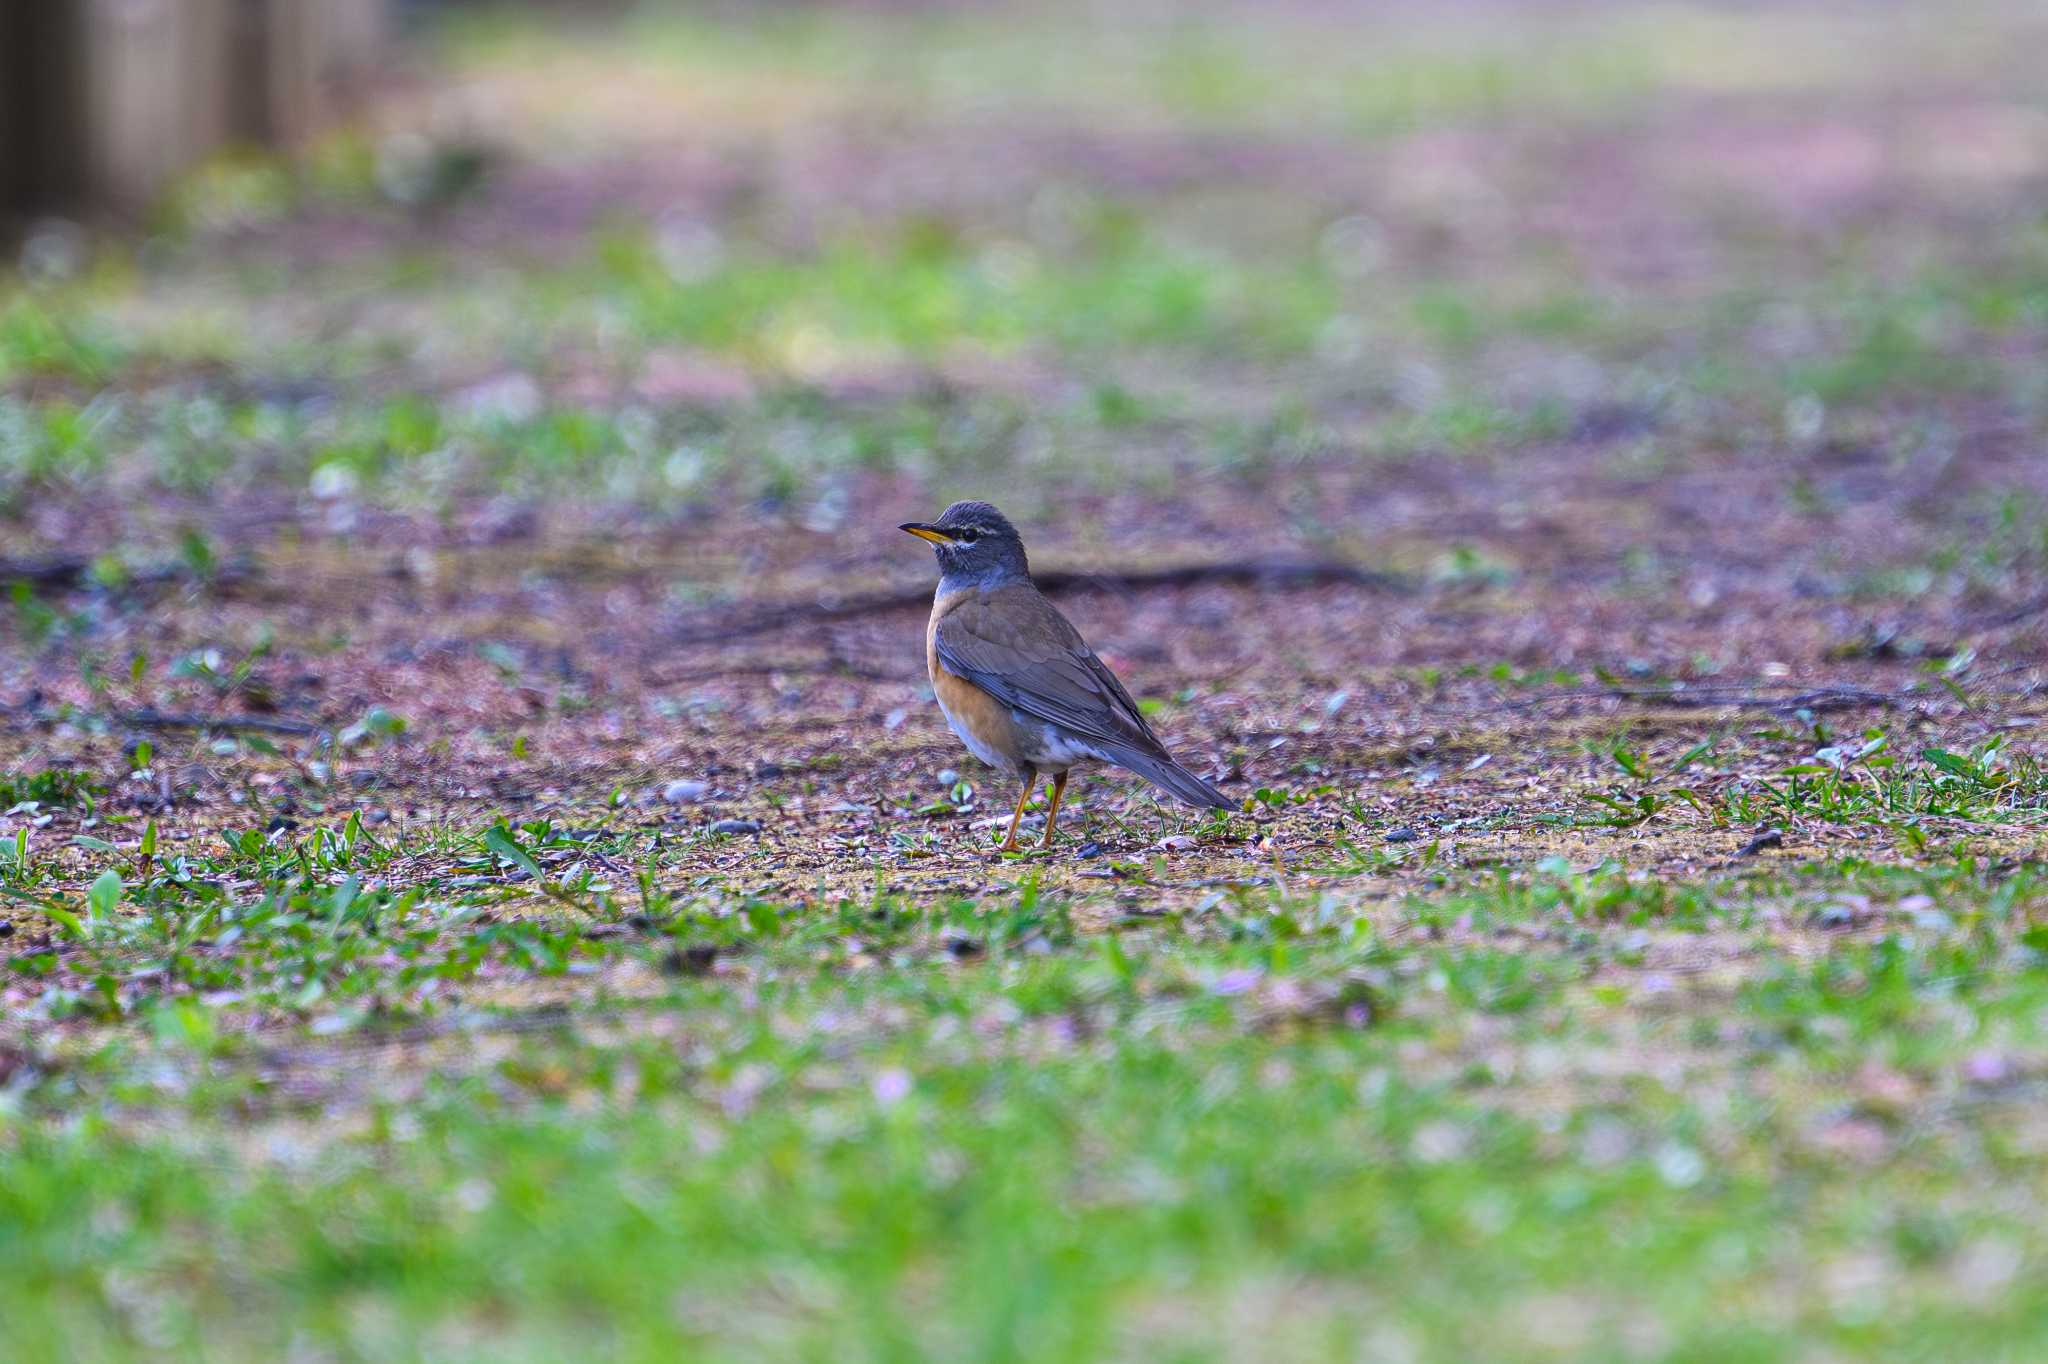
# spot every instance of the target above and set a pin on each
(1985, 1267)
(767, 771)
(377, 816)
(1176, 843)
(892, 1086)
(737, 826)
(1680, 1165)
(1766, 838)
(1088, 850)
(697, 959)
(1404, 834)
(1836, 917)
(1236, 982)
(1437, 1142)
(685, 792)
(1987, 1068)
(948, 778)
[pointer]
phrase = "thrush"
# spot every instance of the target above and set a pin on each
(1017, 682)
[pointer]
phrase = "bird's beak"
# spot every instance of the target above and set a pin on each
(924, 532)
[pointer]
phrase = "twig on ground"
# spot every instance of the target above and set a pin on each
(156, 719)
(65, 571)
(1274, 573)
(2011, 615)
(1718, 697)
(45, 572)
(816, 667)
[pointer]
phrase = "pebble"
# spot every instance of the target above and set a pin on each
(737, 826)
(1836, 916)
(949, 778)
(1176, 843)
(1765, 838)
(685, 792)
(1404, 834)
(1987, 1068)
(697, 959)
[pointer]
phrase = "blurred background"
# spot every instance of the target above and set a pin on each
(1573, 467)
(1627, 325)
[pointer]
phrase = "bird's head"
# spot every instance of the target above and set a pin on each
(974, 541)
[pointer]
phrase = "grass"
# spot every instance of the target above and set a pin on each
(1224, 70)
(799, 328)
(967, 1129)
(1380, 350)
(509, 1090)
(1846, 779)
(51, 786)
(418, 940)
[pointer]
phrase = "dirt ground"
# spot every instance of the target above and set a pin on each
(1659, 559)
(483, 873)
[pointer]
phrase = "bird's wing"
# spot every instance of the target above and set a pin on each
(1014, 645)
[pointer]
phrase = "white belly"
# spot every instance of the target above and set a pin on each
(1052, 753)
(1055, 752)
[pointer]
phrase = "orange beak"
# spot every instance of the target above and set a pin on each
(924, 532)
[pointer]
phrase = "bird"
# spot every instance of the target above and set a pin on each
(1017, 682)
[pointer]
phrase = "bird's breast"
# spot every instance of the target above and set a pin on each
(984, 724)
(943, 604)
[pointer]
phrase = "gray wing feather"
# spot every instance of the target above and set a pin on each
(1032, 659)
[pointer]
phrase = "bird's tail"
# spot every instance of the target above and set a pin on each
(1169, 776)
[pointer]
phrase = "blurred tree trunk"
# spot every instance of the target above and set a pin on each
(41, 152)
(103, 101)
(306, 57)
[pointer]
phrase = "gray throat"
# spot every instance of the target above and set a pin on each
(987, 580)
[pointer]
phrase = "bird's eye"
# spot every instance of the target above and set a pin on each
(967, 537)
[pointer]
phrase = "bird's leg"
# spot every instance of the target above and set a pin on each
(1009, 843)
(1052, 816)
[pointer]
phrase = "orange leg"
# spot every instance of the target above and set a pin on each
(1052, 816)
(1009, 843)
